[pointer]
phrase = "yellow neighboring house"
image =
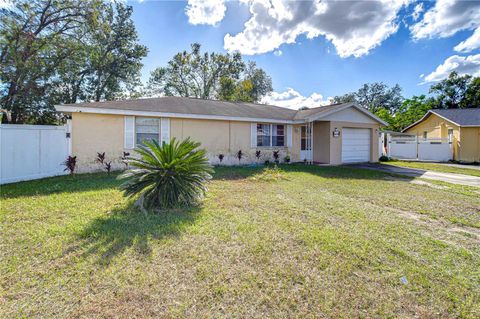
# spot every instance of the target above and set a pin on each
(332, 134)
(462, 126)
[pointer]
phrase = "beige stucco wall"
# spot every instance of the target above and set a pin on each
(296, 142)
(437, 127)
(336, 142)
(92, 133)
(469, 150)
(218, 137)
(321, 142)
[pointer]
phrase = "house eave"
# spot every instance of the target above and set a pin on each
(95, 110)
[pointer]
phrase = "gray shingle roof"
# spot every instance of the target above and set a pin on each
(185, 105)
(193, 106)
(462, 117)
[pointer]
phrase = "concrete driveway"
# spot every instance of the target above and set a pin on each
(413, 172)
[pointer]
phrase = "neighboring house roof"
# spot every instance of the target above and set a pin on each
(459, 117)
(185, 107)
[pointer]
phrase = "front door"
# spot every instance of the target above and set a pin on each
(306, 143)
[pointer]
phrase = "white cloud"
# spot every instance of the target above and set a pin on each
(354, 27)
(5, 4)
(417, 11)
(472, 43)
(446, 18)
(462, 65)
(278, 52)
(205, 11)
(294, 100)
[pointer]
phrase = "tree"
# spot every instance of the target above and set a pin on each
(33, 46)
(261, 82)
(472, 95)
(108, 63)
(374, 96)
(194, 74)
(209, 76)
(378, 95)
(170, 175)
(346, 98)
(115, 55)
(456, 92)
(412, 110)
(64, 52)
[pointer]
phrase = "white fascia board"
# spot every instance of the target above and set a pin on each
(433, 111)
(95, 110)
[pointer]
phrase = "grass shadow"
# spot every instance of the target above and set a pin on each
(126, 227)
(60, 184)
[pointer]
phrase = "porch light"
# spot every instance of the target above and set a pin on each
(336, 132)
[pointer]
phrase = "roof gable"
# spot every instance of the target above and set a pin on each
(459, 117)
(326, 113)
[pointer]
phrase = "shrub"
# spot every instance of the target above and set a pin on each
(108, 167)
(239, 156)
(168, 175)
(258, 153)
(70, 163)
(286, 159)
(100, 157)
(124, 158)
(220, 157)
(384, 158)
(276, 155)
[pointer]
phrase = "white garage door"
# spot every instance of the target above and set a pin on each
(355, 145)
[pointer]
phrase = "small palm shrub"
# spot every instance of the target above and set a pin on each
(258, 153)
(167, 176)
(276, 155)
(239, 156)
(70, 164)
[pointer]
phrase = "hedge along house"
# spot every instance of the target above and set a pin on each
(333, 134)
(460, 126)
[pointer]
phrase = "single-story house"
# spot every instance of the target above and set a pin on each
(333, 134)
(461, 126)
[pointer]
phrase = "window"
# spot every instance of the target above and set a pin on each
(146, 129)
(270, 135)
(450, 134)
(278, 136)
(425, 135)
(263, 135)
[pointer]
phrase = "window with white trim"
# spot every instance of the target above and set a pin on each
(270, 135)
(146, 129)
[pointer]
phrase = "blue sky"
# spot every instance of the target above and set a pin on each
(312, 56)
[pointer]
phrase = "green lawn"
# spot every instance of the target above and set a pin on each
(436, 167)
(306, 242)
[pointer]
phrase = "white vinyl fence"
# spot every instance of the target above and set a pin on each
(411, 147)
(32, 151)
